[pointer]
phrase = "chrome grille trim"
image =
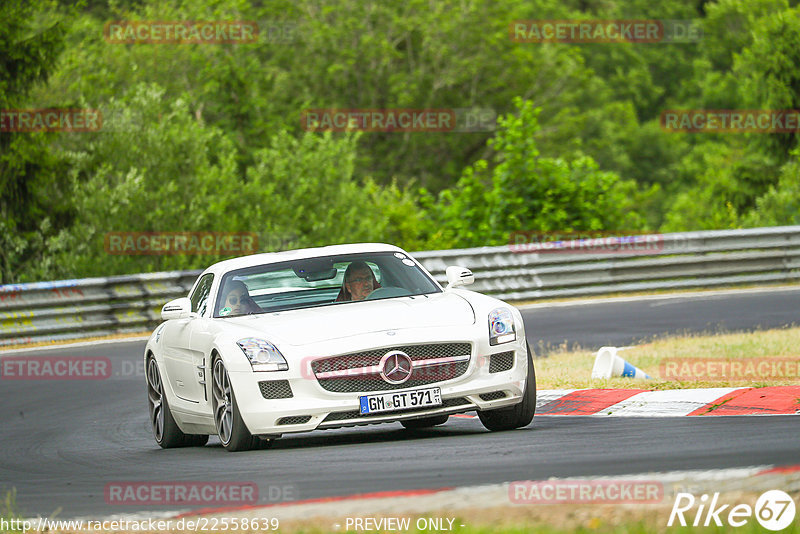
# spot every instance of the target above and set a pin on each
(421, 376)
(372, 357)
(361, 371)
(375, 369)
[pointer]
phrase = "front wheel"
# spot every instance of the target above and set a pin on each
(518, 415)
(232, 431)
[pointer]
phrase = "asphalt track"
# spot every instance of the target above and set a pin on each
(629, 322)
(61, 442)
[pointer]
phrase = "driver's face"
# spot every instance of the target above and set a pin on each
(359, 284)
(234, 301)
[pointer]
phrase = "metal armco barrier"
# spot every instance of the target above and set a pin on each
(70, 309)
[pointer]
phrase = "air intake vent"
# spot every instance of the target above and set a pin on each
(494, 395)
(501, 362)
(295, 420)
(275, 389)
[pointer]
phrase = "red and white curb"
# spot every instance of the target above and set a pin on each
(447, 502)
(432, 501)
(778, 400)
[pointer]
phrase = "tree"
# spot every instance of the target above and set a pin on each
(522, 190)
(34, 194)
(157, 168)
(780, 205)
(770, 74)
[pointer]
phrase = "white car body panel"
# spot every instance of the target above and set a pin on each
(184, 348)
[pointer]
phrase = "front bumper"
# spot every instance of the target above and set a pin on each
(481, 387)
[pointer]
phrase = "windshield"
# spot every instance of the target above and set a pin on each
(330, 280)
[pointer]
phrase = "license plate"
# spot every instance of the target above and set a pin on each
(402, 400)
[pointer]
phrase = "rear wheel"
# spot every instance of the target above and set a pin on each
(165, 429)
(232, 431)
(425, 422)
(518, 415)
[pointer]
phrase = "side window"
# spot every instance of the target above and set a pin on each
(199, 297)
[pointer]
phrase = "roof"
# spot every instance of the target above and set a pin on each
(299, 254)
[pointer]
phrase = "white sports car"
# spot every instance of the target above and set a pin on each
(330, 337)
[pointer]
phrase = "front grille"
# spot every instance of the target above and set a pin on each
(275, 389)
(494, 395)
(501, 362)
(423, 376)
(355, 414)
(373, 382)
(294, 420)
(429, 351)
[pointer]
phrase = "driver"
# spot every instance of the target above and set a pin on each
(237, 300)
(359, 282)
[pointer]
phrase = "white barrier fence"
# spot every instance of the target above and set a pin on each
(69, 309)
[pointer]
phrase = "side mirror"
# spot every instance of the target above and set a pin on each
(458, 276)
(176, 309)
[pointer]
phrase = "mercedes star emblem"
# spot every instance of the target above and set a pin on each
(395, 367)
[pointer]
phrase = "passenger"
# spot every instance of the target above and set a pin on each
(359, 282)
(237, 300)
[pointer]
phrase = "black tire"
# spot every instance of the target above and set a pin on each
(518, 415)
(425, 422)
(165, 430)
(232, 432)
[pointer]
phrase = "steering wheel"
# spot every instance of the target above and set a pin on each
(387, 292)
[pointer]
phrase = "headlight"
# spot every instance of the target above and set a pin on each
(263, 355)
(501, 327)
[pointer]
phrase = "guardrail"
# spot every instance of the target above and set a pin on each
(73, 309)
(70, 309)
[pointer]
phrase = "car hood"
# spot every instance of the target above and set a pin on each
(314, 325)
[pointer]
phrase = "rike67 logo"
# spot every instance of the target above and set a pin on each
(774, 510)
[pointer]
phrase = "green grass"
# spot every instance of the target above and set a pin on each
(572, 369)
(9, 511)
(525, 519)
(593, 526)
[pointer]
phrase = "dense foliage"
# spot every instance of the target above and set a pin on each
(208, 137)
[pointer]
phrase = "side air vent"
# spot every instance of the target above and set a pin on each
(294, 420)
(494, 395)
(275, 389)
(501, 362)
